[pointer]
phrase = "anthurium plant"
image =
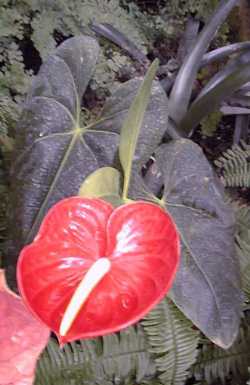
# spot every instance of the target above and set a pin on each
(98, 241)
(92, 268)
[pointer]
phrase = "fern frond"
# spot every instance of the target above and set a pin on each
(234, 165)
(242, 241)
(172, 340)
(215, 363)
(116, 358)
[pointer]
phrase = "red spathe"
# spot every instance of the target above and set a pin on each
(139, 239)
(22, 339)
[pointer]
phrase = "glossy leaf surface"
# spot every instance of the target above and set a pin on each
(139, 239)
(207, 287)
(22, 339)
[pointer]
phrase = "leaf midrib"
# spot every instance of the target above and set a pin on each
(39, 215)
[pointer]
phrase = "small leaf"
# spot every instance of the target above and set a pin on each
(207, 284)
(104, 182)
(131, 127)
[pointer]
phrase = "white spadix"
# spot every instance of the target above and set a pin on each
(93, 276)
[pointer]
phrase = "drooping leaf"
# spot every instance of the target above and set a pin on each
(221, 53)
(113, 34)
(181, 92)
(211, 100)
(172, 340)
(22, 339)
(131, 127)
(104, 183)
(221, 75)
(206, 287)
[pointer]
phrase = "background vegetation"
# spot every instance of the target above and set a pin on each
(165, 348)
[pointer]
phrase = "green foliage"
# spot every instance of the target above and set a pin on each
(181, 8)
(44, 24)
(176, 12)
(210, 124)
(9, 114)
(110, 65)
(73, 18)
(117, 358)
(167, 342)
(234, 165)
(215, 364)
(173, 342)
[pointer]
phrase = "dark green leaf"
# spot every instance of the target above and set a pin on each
(221, 75)
(206, 287)
(212, 99)
(53, 153)
(181, 92)
(111, 33)
(221, 53)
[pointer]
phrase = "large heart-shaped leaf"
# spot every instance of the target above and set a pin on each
(207, 286)
(54, 154)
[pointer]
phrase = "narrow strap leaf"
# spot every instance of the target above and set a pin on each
(132, 124)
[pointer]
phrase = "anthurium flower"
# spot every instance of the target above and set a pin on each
(93, 269)
(22, 338)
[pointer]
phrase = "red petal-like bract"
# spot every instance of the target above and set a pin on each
(139, 239)
(22, 338)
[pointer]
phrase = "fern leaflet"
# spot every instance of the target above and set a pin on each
(234, 165)
(116, 358)
(172, 340)
(215, 363)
